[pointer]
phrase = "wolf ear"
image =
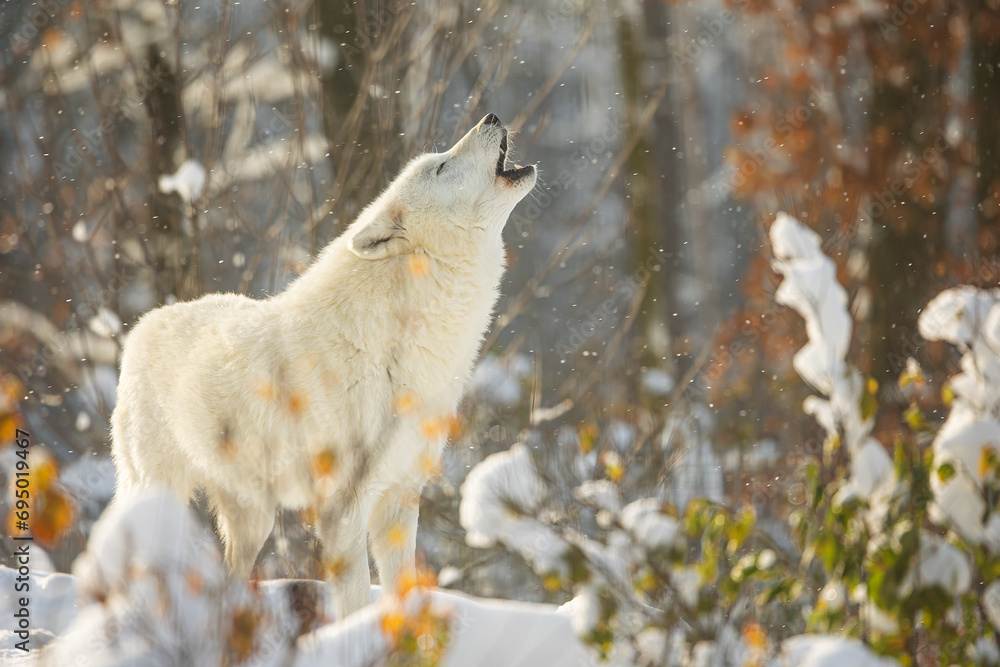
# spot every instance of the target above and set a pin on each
(382, 236)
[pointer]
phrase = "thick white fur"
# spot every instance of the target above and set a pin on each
(330, 394)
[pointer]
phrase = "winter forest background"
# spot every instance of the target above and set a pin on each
(712, 465)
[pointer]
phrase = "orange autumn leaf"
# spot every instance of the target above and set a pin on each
(418, 265)
(436, 428)
(194, 581)
(297, 404)
(392, 625)
(418, 578)
(43, 471)
(54, 520)
(9, 423)
(800, 80)
(242, 634)
(406, 402)
(324, 464)
(51, 511)
(430, 464)
(755, 635)
(51, 38)
(264, 389)
(334, 568)
(397, 536)
(11, 389)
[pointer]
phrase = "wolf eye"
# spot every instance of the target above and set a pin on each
(440, 167)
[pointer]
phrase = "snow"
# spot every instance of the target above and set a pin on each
(810, 287)
(986, 652)
(958, 503)
(600, 493)
(188, 181)
(584, 611)
(499, 498)
(991, 534)
(52, 605)
(509, 633)
(154, 573)
(970, 319)
(151, 589)
(870, 466)
(106, 323)
(963, 438)
(687, 581)
(791, 240)
(957, 315)
(621, 434)
(657, 382)
(649, 525)
(943, 565)
(991, 603)
(493, 632)
(829, 651)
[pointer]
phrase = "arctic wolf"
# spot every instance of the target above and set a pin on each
(337, 393)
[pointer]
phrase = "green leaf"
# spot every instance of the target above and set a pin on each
(915, 418)
(869, 399)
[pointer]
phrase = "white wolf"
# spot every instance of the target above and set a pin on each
(335, 394)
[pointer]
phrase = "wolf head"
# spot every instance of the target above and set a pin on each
(446, 204)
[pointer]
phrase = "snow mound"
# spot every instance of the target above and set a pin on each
(829, 651)
(151, 590)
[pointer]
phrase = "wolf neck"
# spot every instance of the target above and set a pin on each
(378, 297)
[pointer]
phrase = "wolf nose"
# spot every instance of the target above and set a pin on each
(491, 119)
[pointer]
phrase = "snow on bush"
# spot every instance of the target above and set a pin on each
(966, 447)
(154, 588)
(810, 287)
(500, 499)
(866, 572)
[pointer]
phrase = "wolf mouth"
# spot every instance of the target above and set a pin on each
(515, 173)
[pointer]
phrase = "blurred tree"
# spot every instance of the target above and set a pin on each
(652, 182)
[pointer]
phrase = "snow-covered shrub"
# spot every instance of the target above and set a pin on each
(889, 577)
(153, 591)
(894, 558)
(810, 287)
(652, 586)
(967, 447)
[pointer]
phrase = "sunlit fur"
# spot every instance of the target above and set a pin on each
(336, 394)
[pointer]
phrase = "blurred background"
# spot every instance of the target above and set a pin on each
(153, 151)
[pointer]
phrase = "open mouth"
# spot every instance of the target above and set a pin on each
(514, 173)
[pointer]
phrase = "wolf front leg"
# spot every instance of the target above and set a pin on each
(392, 530)
(243, 526)
(345, 555)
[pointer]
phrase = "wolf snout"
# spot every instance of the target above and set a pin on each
(490, 119)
